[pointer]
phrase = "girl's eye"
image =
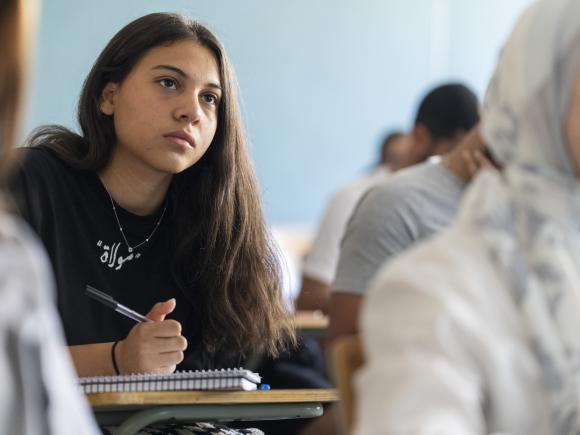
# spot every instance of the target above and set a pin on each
(210, 98)
(168, 83)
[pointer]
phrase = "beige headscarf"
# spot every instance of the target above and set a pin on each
(529, 214)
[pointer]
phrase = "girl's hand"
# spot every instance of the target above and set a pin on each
(153, 347)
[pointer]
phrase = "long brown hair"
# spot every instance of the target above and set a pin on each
(13, 65)
(223, 253)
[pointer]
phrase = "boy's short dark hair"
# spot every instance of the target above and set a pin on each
(447, 110)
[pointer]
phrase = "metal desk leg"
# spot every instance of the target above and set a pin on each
(219, 413)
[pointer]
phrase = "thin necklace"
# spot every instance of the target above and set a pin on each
(129, 247)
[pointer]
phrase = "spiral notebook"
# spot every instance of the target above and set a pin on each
(223, 379)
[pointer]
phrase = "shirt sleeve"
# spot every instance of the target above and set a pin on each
(379, 229)
(420, 375)
(321, 261)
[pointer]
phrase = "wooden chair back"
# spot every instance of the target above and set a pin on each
(346, 357)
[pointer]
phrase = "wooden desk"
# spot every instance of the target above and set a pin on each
(311, 324)
(134, 411)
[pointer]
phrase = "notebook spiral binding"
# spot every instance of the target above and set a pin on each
(220, 379)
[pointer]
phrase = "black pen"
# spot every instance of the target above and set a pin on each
(112, 303)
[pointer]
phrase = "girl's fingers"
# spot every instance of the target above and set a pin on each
(161, 309)
(169, 358)
(172, 344)
(163, 329)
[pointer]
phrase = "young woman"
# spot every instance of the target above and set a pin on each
(155, 203)
(38, 394)
(484, 339)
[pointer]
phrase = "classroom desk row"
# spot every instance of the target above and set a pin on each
(133, 411)
(311, 324)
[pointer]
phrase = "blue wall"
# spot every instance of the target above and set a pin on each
(321, 80)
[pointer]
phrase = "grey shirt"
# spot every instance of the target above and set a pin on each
(411, 205)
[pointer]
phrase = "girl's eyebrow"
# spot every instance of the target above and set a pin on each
(184, 74)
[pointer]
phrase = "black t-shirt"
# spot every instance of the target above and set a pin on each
(73, 215)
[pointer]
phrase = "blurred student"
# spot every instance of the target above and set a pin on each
(320, 263)
(38, 392)
(443, 116)
(476, 331)
(412, 206)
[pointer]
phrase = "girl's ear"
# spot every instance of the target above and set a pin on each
(108, 98)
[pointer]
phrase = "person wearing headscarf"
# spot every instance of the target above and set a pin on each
(477, 331)
(39, 394)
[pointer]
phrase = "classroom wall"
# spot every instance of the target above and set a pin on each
(321, 80)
